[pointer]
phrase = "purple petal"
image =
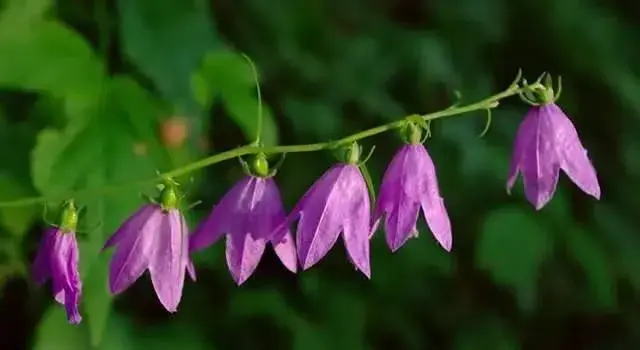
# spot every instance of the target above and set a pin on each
(133, 224)
(426, 185)
(133, 253)
(354, 203)
(64, 268)
(221, 219)
(168, 263)
(41, 270)
(285, 248)
(538, 160)
(572, 154)
(525, 137)
(397, 198)
(400, 223)
(243, 253)
(268, 215)
(191, 270)
(321, 217)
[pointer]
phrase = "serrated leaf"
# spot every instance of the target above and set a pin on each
(94, 151)
(512, 246)
(46, 56)
(228, 75)
(595, 264)
(167, 40)
(15, 219)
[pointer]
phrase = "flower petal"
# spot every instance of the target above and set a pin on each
(64, 270)
(41, 269)
(435, 213)
(243, 254)
(133, 253)
(320, 217)
(285, 248)
(191, 270)
(167, 264)
(572, 154)
(355, 204)
(525, 139)
(133, 224)
(424, 181)
(73, 288)
(221, 219)
(400, 223)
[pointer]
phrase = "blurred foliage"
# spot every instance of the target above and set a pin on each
(96, 93)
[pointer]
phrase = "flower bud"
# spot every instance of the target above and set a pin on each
(412, 133)
(68, 216)
(353, 153)
(260, 165)
(169, 195)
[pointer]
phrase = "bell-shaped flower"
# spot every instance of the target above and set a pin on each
(408, 185)
(248, 215)
(154, 239)
(546, 142)
(337, 203)
(58, 259)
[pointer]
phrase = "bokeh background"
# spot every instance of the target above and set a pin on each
(94, 93)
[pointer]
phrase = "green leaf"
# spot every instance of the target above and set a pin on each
(16, 220)
(21, 10)
(228, 75)
(46, 56)
(595, 264)
(512, 246)
(94, 151)
(264, 302)
(622, 235)
(488, 333)
(167, 41)
(54, 332)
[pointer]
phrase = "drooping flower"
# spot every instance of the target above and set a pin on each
(154, 239)
(408, 185)
(58, 260)
(248, 215)
(337, 203)
(546, 142)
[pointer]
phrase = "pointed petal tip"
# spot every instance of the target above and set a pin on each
(74, 319)
(239, 280)
(191, 270)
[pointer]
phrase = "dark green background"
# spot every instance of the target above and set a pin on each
(88, 89)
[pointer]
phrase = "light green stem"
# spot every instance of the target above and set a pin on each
(487, 103)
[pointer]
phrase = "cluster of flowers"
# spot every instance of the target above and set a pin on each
(251, 214)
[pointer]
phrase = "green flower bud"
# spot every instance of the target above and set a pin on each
(413, 133)
(69, 216)
(260, 165)
(353, 153)
(169, 195)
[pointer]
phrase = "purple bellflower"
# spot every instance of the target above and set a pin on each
(58, 259)
(408, 185)
(154, 239)
(337, 203)
(248, 215)
(546, 142)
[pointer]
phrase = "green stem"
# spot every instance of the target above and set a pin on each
(259, 96)
(487, 103)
